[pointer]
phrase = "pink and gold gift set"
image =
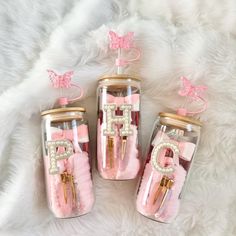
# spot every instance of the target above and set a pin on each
(65, 141)
(118, 154)
(169, 157)
(66, 154)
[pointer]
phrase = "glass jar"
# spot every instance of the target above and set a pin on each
(68, 179)
(118, 155)
(167, 165)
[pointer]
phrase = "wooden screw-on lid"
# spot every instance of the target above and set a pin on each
(116, 76)
(181, 118)
(63, 109)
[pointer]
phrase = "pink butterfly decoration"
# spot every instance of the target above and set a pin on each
(190, 90)
(117, 41)
(60, 81)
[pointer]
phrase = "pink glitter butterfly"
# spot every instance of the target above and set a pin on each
(60, 81)
(117, 41)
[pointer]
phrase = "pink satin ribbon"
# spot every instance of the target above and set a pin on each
(82, 134)
(131, 99)
(63, 134)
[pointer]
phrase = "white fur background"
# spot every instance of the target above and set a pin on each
(194, 38)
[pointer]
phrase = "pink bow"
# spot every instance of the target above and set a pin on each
(60, 81)
(64, 134)
(190, 90)
(117, 41)
(82, 134)
(131, 99)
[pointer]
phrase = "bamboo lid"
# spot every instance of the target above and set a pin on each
(121, 76)
(63, 109)
(181, 118)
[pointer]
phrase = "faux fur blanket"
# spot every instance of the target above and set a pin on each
(192, 38)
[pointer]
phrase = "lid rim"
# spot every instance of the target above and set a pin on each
(119, 76)
(181, 118)
(63, 109)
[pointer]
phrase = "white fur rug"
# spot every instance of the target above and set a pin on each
(193, 38)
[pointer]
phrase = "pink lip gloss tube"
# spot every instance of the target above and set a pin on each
(170, 155)
(118, 155)
(66, 158)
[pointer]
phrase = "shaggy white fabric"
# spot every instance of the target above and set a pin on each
(193, 38)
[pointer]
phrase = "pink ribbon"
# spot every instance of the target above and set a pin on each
(64, 134)
(193, 92)
(131, 99)
(82, 134)
(64, 81)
